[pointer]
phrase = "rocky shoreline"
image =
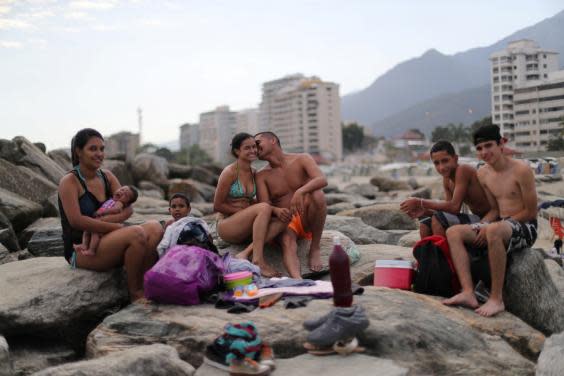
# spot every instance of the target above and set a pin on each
(58, 321)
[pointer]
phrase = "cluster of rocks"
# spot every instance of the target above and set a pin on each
(58, 321)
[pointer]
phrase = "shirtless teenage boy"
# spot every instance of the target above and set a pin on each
(510, 189)
(292, 184)
(460, 184)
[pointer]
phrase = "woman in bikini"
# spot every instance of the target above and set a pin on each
(81, 192)
(235, 199)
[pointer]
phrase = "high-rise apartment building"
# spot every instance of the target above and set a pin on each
(189, 135)
(305, 113)
(539, 112)
(125, 143)
(521, 64)
(247, 121)
(217, 128)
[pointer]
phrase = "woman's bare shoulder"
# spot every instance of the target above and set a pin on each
(228, 173)
(68, 179)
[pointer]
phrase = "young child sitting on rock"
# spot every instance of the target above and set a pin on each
(122, 198)
(179, 207)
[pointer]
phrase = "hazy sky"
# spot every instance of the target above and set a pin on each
(65, 65)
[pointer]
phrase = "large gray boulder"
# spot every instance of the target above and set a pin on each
(385, 216)
(4, 255)
(43, 296)
(19, 210)
(205, 175)
(556, 274)
(196, 192)
(336, 198)
(152, 360)
(385, 184)
(341, 206)
(62, 157)
(551, 361)
(150, 189)
(273, 253)
(356, 229)
(121, 170)
(205, 208)
(530, 293)
(150, 167)
(32, 354)
(7, 235)
(150, 205)
(22, 152)
(27, 183)
(6, 366)
(307, 365)
(41, 225)
(198, 173)
(368, 191)
(46, 238)
(179, 171)
(409, 239)
(415, 331)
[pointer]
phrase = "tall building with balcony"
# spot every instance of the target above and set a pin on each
(248, 121)
(305, 113)
(122, 143)
(217, 128)
(539, 112)
(189, 135)
(521, 63)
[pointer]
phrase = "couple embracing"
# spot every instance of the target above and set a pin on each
(284, 199)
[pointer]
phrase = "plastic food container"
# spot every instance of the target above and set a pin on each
(232, 280)
(396, 274)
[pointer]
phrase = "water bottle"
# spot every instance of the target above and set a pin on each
(339, 268)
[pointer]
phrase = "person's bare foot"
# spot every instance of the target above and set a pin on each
(315, 264)
(245, 253)
(465, 299)
(266, 270)
(491, 308)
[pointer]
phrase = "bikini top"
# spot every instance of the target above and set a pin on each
(237, 190)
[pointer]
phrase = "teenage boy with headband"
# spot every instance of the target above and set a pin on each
(510, 225)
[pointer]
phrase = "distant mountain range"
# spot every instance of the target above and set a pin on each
(435, 89)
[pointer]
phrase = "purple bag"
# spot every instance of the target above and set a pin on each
(183, 275)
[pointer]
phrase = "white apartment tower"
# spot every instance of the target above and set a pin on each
(189, 135)
(217, 128)
(247, 121)
(520, 64)
(305, 113)
(539, 112)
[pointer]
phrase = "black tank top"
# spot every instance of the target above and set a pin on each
(88, 204)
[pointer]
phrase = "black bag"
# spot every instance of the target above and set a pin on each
(194, 233)
(480, 265)
(435, 273)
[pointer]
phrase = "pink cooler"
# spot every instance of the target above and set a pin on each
(396, 274)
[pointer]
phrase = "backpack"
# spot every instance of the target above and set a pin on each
(183, 276)
(196, 233)
(435, 271)
(187, 231)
